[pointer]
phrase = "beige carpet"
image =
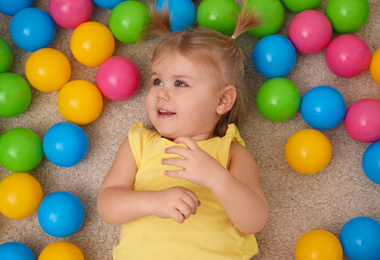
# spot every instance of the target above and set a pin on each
(298, 203)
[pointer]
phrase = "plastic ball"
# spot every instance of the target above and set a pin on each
(182, 13)
(127, 20)
(271, 14)
(20, 150)
(374, 67)
(61, 214)
(218, 15)
(32, 29)
(318, 245)
(360, 238)
(20, 195)
(348, 56)
(61, 250)
(47, 69)
(92, 43)
(308, 151)
(15, 94)
(65, 144)
(274, 56)
(80, 102)
(347, 16)
(118, 78)
(70, 13)
(323, 107)
(6, 56)
(362, 121)
(107, 4)
(278, 99)
(371, 162)
(301, 5)
(11, 7)
(310, 31)
(15, 251)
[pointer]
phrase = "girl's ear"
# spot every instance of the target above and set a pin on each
(226, 100)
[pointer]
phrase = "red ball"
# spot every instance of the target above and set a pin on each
(70, 13)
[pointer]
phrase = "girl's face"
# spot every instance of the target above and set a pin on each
(183, 98)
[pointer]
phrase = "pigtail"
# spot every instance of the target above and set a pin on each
(159, 23)
(245, 20)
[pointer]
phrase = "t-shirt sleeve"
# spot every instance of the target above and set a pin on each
(136, 141)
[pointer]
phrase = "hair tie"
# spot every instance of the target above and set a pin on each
(233, 37)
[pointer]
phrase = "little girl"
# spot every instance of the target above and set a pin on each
(190, 189)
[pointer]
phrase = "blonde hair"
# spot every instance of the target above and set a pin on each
(213, 48)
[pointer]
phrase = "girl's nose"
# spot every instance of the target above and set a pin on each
(163, 93)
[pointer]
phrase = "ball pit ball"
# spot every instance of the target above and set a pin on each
(61, 214)
(278, 99)
(61, 250)
(65, 144)
(371, 162)
(70, 13)
(310, 31)
(362, 121)
(348, 56)
(360, 238)
(15, 251)
(272, 15)
(92, 43)
(347, 16)
(127, 20)
(318, 245)
(32, 29)
(182, 13)
(274, 56)
(20, 195)
(6, 56)
(107, 4)
(47, 69)
(15, 94)
(118, 78)
(374, 67)
(323, 107)
(308, 151)
(218, 15)
(20, 150)
(11, 7)
(80, 102)
(301, 5)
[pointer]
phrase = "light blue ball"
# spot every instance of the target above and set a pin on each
(182, 13)
(274, 56)
(323, 107)
(371, 162)
(61, 214)
(11, 7)
(107, 4)
(15, 251)
(65, 144)
(32, 29)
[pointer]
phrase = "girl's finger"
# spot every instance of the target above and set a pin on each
(190, 143)
(179, 162)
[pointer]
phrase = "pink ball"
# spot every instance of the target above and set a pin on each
(348, 56)
(118, 78)
(362, 121)
(70, 13)
(310, 31)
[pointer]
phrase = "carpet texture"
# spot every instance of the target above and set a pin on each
(298, 203)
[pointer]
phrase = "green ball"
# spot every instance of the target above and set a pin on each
(20, 150)
(271, 14)
(6, 56)
(15, 94)
(301, 5)
(347, 16)
(278, 99)
(218, 15)
(127, 20)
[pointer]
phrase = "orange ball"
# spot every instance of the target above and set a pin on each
(374, 67)
(61, 250)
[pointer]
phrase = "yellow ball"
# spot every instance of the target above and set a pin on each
(61, 250)
(92, 43)
(374, 67)
(80, 102)
(20, 195)
(308, 151)
(47, 69)
(319, 245)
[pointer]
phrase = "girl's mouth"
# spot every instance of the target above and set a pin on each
(162, 112)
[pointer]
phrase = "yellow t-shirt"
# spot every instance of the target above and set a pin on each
(208, 235)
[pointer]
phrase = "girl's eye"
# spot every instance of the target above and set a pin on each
(157, 82)
(180, 84)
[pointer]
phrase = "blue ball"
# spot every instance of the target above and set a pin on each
(61, 214)
(11, 7)
(32, 29)
(323, 107)
(15, 251)
(65, 144)
(360, 239)
(182, 13)
(371, 162)
(108, 4)
(274, 56)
